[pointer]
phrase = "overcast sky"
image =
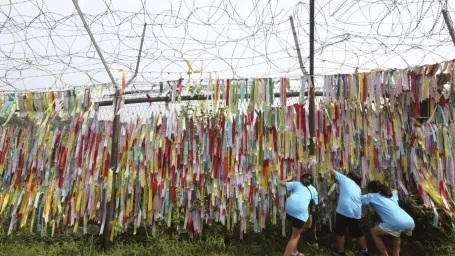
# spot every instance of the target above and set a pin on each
(44, 45)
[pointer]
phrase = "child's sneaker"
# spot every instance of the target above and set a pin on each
(363, 253)
(338, 252)
(313, 244)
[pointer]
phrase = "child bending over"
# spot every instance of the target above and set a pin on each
(297, 208)
(349, 212)
(394, 219)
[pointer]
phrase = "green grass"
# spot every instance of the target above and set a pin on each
(174, 244)
(158, 246)
(26, 245)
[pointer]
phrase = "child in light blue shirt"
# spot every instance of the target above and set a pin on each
(349, 212)
(297, 207)
(394, 220)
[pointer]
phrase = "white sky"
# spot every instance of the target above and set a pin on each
(44, 45)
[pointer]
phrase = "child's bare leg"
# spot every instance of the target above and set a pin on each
(340, 242)
(396, 246)
(376, 232)
(292, 244)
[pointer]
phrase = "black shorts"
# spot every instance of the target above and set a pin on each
(296, 223)
(343, 222)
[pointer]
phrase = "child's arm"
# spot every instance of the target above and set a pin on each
(338, 176)
(315, 196)
(283, 182)
(366, 199)
(333, 172)
(395, 195)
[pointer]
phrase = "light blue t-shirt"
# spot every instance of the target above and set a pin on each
(349, 203)
(297, 203)
(392, 216)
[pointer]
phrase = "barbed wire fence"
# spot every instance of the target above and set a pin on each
(45, 46)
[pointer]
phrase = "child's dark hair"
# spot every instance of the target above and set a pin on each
(355, 177)
(306, 179)
(376, 187)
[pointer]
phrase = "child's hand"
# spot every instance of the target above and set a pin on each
(289, 178)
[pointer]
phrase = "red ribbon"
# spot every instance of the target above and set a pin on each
(227, 91)
(150, 100)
